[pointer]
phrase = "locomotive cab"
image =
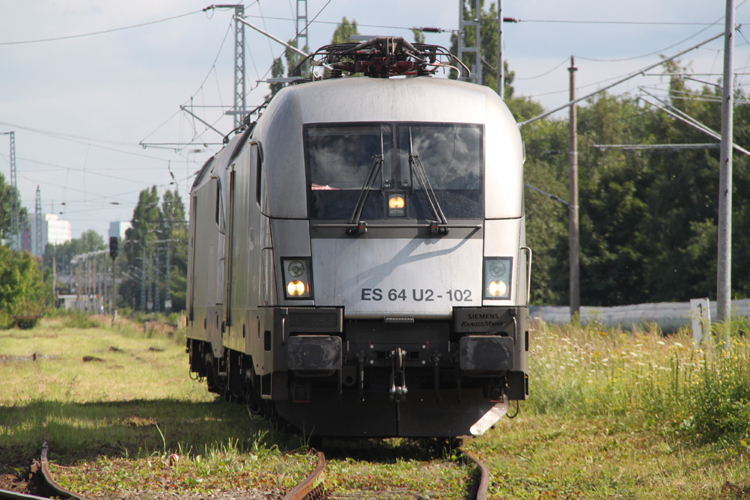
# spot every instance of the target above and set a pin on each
(375, 271)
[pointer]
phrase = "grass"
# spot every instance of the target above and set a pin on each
(113, 423)
(617, 414)
(612, 414)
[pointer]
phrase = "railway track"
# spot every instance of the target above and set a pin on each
(312, 488)
(49, 485)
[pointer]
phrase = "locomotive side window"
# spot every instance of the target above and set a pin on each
(339, 159)
(219, 213)
(258, 171)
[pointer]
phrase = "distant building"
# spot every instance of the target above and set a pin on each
(54, 232)
(118, 229)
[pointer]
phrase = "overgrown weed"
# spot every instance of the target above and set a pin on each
(645, 378)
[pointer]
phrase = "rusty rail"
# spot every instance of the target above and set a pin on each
(484, 479)
(51, 483)
(307, 489)
(14, 495)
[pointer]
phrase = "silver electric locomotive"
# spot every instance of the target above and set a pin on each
(357, 258)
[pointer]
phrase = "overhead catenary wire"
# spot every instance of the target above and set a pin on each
(547, 21)
(620, 80)
(87, 141)
(101, 32)
(692, 122)
(542, 74)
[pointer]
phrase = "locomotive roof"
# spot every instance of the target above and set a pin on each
(391, 99)
(346, 100)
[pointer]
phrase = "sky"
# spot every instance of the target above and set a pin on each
(82, 106)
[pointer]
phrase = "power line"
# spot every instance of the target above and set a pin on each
(637, 23)
(650, 53)
(644, 23)
(83, 140)
(708, 25)
(545, 73)
(620, 80)
(81, 35)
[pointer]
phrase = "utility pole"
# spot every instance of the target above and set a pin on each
(500, 66)
(113, 255)
(301, 29)
(476, 68)
(239, 66)
(39, 244)
(156, 282)
(573, 241)
(15, 233)
(168, 278)
(149, 294)
(724, 271)
(143, 279)
(239, 62)
(89, 286)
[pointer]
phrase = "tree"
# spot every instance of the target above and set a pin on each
(5, 193)
(277, 71)
(175, 229)
(344, 31)
(25, 288)
(418, 35)
(146, 221)
(156, 229)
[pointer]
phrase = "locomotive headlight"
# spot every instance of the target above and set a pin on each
(297, 278)
(497, 288)
(497, 275)
(295, 289)
(396, 205)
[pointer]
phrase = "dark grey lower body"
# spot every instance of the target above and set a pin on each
(421, 415)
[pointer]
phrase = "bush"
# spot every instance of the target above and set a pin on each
(25, 289)
(80, 320)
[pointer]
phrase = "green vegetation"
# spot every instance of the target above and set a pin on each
(25, 289)
(5, 192)
(611, 415)
(156, 229)
(626, 415)
(644, 378)
(115, 403)
(648, 218)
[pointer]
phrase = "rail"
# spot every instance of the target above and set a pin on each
(58, 490)
(484, 478)
(14, 495)
(50, 485)
(312, 487)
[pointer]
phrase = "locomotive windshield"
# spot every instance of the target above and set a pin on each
(386, 160)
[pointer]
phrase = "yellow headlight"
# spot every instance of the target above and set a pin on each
(396, 202)
(497, 288)
(295, 288)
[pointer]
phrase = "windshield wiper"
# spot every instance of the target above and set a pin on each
(415, 163)
(372, 174)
